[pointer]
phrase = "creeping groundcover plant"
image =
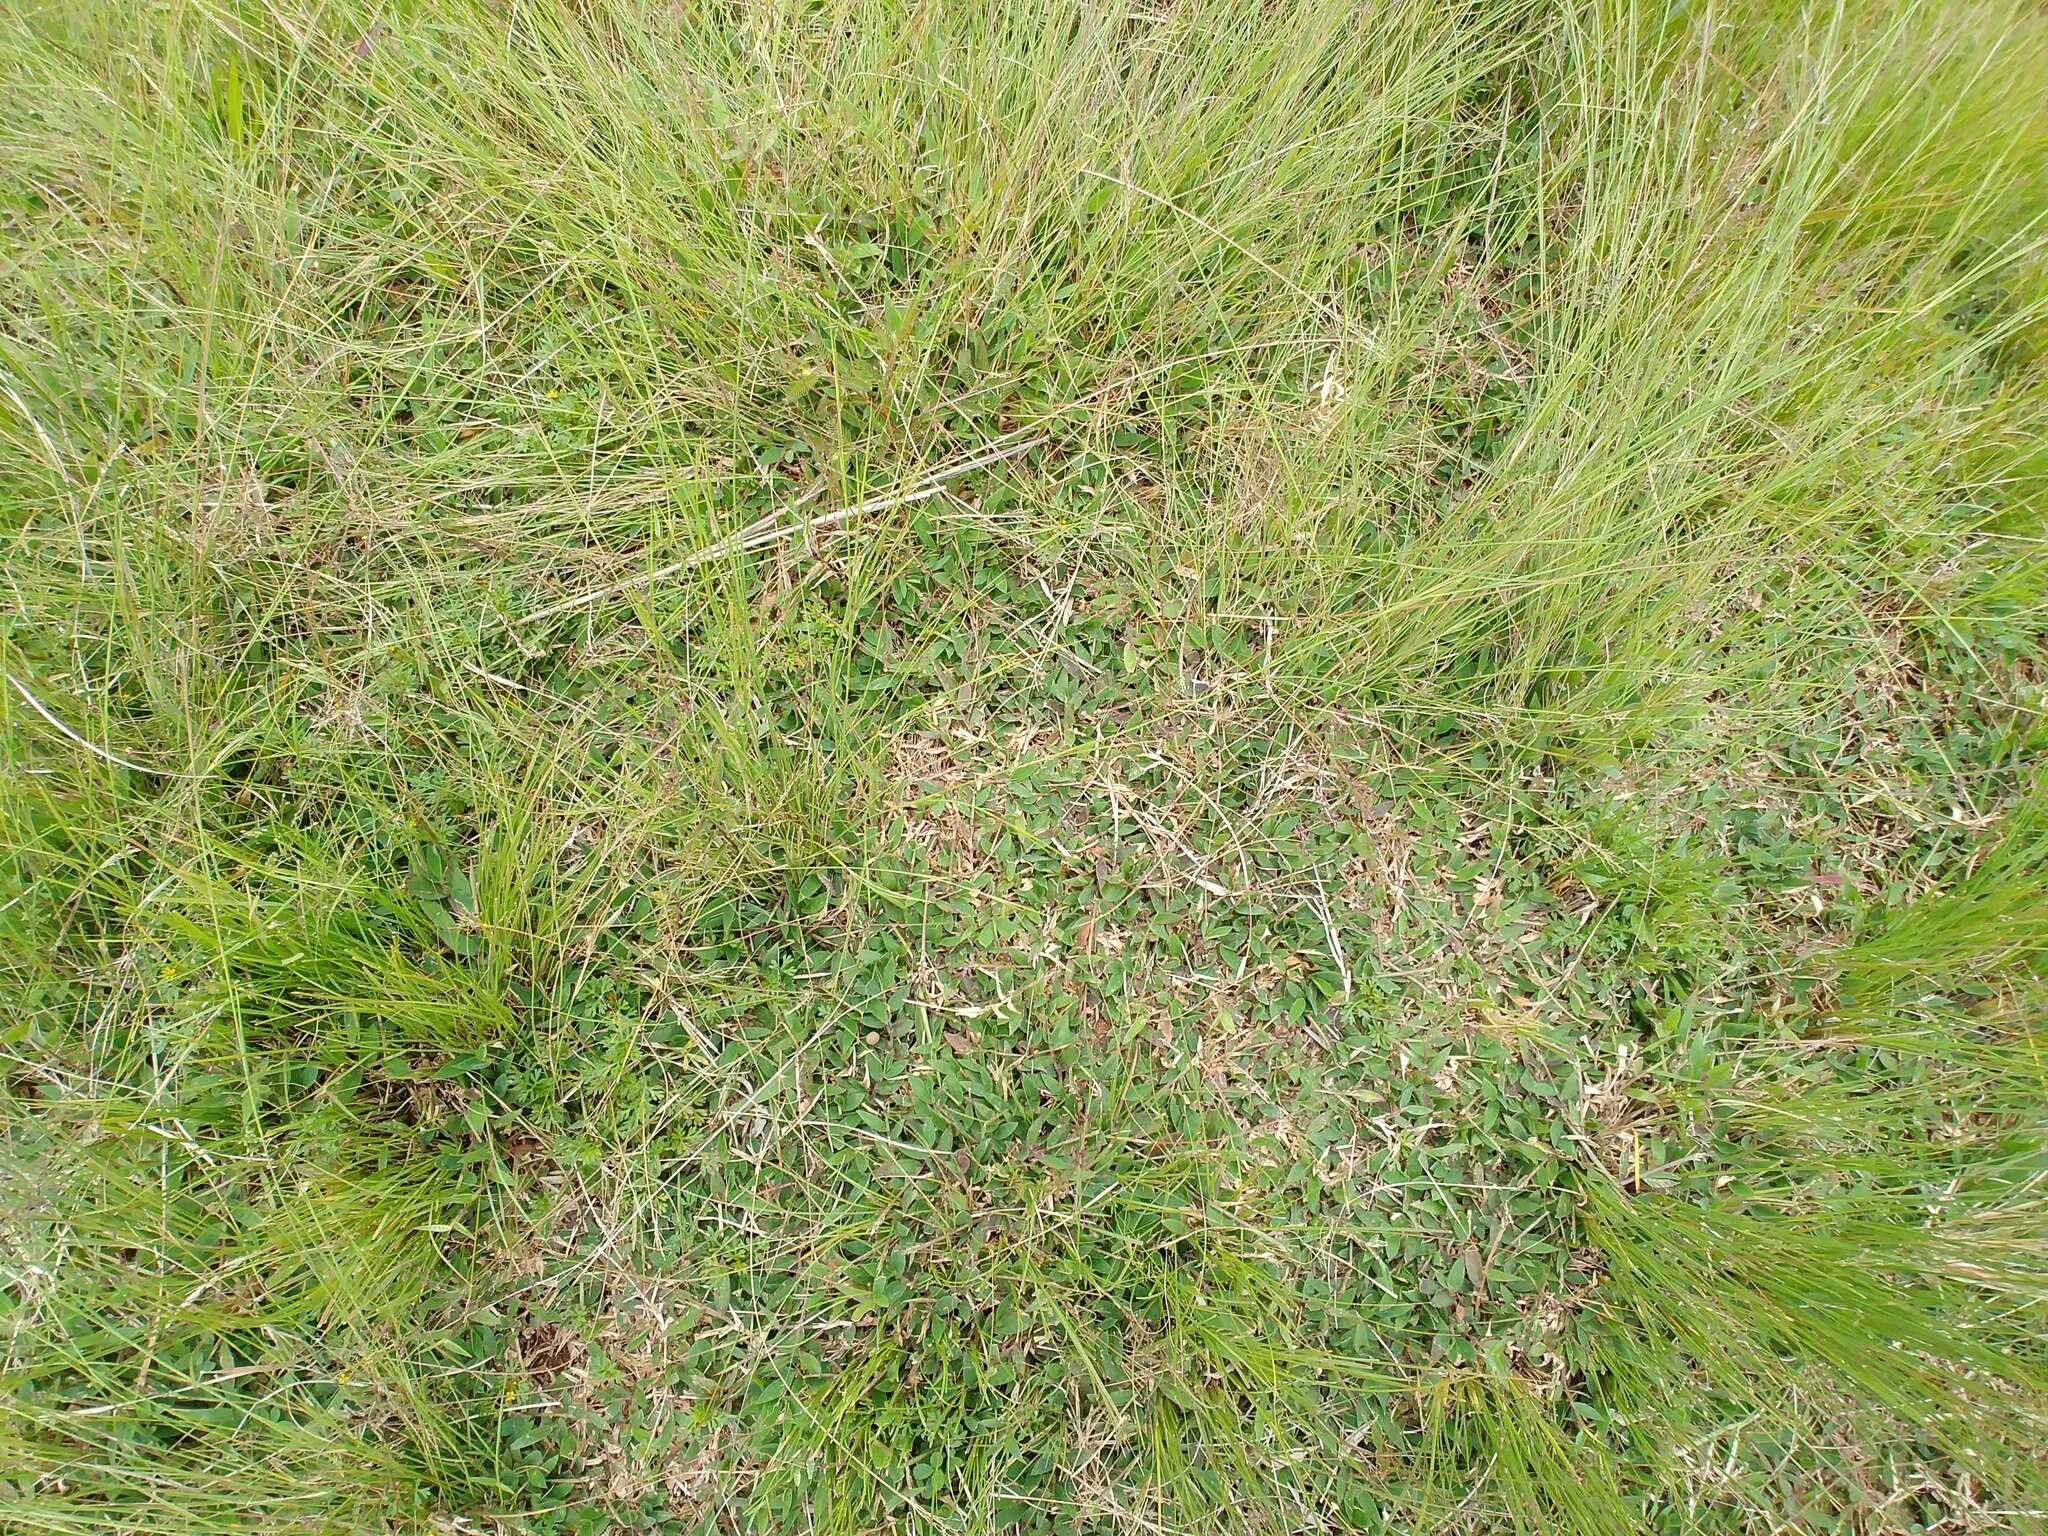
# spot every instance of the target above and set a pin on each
(1042, 766)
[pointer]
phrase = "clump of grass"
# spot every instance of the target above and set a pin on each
(1990, 925)
(1022, 766)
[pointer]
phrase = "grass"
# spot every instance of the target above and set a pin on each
(1023, 767)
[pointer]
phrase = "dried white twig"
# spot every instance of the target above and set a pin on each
(1321, 908)
(772, 529)
(94, 748)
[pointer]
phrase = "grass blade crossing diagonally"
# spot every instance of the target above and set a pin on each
(1049, 766)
